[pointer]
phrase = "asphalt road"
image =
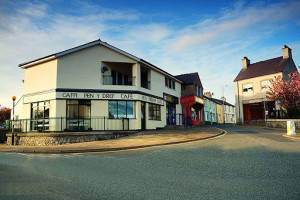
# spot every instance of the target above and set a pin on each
(245, 164)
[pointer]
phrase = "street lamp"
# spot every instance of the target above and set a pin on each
(13, 122)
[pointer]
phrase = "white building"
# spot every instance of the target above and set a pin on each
(96, 86)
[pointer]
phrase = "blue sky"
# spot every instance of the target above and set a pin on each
(208, 37)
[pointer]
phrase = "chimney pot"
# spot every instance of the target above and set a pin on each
(207, 94)
(245, 62)
(286, 52)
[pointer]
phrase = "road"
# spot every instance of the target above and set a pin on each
(246, 163)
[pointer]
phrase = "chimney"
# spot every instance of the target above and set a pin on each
(245, 62)
(223, 99)
(286, 52)
(207, 94)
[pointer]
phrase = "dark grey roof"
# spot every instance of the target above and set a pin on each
(187, 79)
(221, 102)
(218, 101)
(262, 68)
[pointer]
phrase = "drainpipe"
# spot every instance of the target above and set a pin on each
(239, 101)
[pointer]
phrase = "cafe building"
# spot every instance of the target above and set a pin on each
(96, 86)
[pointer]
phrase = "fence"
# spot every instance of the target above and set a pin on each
(60, 124)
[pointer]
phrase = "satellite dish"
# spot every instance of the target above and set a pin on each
(104, 69)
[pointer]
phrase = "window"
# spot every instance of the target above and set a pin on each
(248, 87)
(40, 116)
(78, 115)
(154, 112)
(117, 78)
(265, 84)
(197, 90)
(121, 109)
(169, 83)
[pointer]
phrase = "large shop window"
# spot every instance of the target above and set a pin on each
(154, 112)
(40, 116)
(78, 114)
(121, 109)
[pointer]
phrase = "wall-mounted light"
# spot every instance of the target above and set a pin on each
(104, 69)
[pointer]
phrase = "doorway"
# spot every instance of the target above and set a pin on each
(143, 115)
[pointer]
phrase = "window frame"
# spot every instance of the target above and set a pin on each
(156, 110)
(126, 109)
(247, 89)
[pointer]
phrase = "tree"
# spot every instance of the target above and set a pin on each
(4, 114)
(287, 92)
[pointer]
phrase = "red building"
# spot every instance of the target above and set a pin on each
(192, 98)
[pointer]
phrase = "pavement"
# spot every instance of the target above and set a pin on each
(141, 139)
(297, 136)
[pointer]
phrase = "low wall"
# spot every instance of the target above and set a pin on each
(273, 123)
(3, 135)
(46, 139)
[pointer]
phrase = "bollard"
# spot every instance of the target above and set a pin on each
(291, 128)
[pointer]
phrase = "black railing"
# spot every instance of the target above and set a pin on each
(113, 80)
(60, 124)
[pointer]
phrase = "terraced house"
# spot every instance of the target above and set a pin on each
(96, 86)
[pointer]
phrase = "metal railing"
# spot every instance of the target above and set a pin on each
(60, 124)
(110, 80)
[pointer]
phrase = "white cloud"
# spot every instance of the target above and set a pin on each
(239, 21)
(213, 46)
(33, 10)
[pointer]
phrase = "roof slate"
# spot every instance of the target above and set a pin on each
(262, 68)
(218, 101)
(187, 79)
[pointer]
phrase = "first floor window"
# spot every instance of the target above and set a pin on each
(265, 84)
(154, 112)
(121, 109)
(248, 87)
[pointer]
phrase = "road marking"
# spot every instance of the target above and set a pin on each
(291, 137)
(158, 145)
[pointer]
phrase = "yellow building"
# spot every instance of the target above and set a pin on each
(220, 114)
